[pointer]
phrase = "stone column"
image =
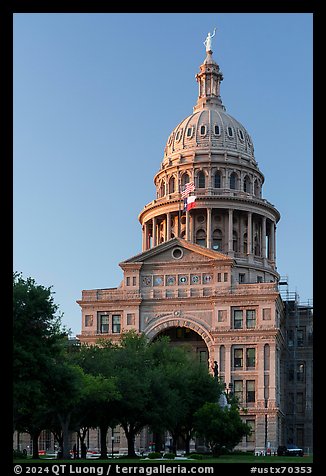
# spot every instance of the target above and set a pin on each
(230, 232)
(154, 224)
(272, 242)
(228, 364)
(272, 376)
(263, 245)
(209, 228)
(249, 234)
(168, 226)
(260, 376)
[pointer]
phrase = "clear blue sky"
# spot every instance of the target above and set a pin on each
(96, 96)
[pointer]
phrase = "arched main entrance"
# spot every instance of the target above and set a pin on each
(184, 336)
(184, 331)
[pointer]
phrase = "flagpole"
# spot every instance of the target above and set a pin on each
(179, 208)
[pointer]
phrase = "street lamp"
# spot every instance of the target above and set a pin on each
(228, 389)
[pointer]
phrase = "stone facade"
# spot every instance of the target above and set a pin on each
(207, 274)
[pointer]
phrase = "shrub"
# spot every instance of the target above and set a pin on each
(195, 456)
(20, 454)
(154, 455)
(169, 456)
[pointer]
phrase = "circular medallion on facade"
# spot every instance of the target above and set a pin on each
(158, 280)
(183, 279)
(177, 253)
(207, 278)
(195, 279)
(147, 280)
(170, 280)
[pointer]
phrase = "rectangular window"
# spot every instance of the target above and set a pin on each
(300, 372)
(130, 319)
(88, 320)
(259, 279)
(104, 324)
(134, 281)
(250, 319)
(238, 358)
(116, 323)
(242, 278)
(128, 281)
(219, 277)
(250, 358)
(238, 390)
(252, 437)
(290, 336)
(250, 391)
(300, 337)
(225, 277)
(237, 319)
(267, 314)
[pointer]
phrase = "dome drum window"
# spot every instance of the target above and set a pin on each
(190, 132)
(240, 134)
(178, 136)
(203, 130)
(217, 130)
(230, 131)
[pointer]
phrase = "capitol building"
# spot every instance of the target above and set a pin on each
(207, 275)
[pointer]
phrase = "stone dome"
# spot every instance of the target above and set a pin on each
(213, 129)
(209, 127)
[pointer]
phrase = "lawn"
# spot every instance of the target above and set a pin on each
(242, 458)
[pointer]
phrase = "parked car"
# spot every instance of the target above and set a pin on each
(289, 450)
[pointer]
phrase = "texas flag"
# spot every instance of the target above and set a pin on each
(191, 202)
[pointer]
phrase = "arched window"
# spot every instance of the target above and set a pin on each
(256, 245)
(172, 185)
(245, 243)
(222, 358)
(217, 180)
(217, 240)
(233, 181)
(201, 237)
(201, 179)
(266, 356)
(246, 184)
(235, 241)
(184, 179)
(162, 189)
(256, 188)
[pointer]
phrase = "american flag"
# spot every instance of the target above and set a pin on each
(189, 187)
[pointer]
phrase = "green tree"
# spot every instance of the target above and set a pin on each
(222, 428)
(38, 338)
(96, 408)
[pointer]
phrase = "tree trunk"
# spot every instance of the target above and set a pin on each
(130, 435)
(103, 433)
(65, 436)
(35, 436)
(174, 442)
(187, 442)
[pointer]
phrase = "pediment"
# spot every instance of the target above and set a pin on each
(176, 251)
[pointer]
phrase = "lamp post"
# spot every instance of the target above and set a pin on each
(228, 389)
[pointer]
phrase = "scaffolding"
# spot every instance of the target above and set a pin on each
(298, 367)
